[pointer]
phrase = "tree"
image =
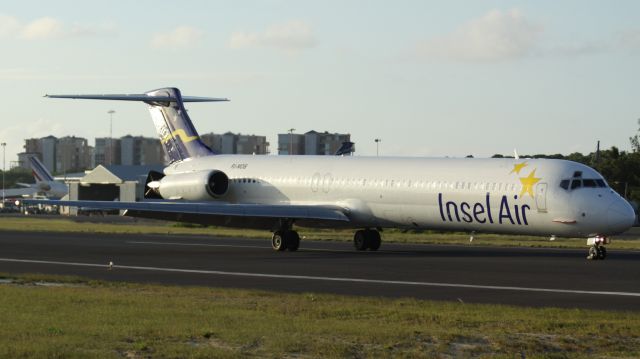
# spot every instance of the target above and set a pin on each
(635, 141)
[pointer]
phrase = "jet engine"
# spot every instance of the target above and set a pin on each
(191, 186)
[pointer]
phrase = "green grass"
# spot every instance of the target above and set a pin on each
(115, 320)
(62, 224)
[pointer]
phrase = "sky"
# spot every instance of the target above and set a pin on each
(429, 78)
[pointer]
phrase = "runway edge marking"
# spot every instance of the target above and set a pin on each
(329, 279)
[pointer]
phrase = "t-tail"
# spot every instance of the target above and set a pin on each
(40, 172)
(179, 138)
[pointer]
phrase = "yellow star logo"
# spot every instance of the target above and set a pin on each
(528, 183)
(518, 167)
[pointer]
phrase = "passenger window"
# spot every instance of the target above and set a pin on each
(589, 183)
(576, 184)
(564, 184)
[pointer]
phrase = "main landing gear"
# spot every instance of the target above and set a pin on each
(596, 249)
(366, 239)
(285, 239)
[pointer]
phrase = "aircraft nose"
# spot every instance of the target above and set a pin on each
(620, 216)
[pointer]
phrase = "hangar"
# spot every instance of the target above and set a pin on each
(111, 183)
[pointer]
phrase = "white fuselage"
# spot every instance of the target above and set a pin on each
(520, 196)
(52, 189)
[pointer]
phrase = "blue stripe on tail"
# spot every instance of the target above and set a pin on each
(40, 172)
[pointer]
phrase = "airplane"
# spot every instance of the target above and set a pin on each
(347, 148)
(546, 197)
(45, 183)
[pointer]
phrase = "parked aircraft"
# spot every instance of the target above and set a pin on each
(45, 184)
(512, 196)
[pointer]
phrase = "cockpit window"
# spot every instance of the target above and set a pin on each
(586, 183)
(564, 184)
(576, 184)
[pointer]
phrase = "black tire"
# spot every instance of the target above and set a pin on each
(602, 252)
(292, 240)
(373, 237)
(593, 253)
(360, 240)
(278, 241)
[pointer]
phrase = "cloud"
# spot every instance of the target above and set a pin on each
(46, 28)
(180, 37)
(9, 25)
(42, 29)
(290, 36)
(496, 36)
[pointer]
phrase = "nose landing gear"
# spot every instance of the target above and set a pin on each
(596, 249)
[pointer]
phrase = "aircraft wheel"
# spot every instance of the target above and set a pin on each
(278, 241)
(292, 240)
(360, 240)
(602, 252)
(593, 253)
(373, 237)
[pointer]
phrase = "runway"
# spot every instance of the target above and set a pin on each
(468, 274)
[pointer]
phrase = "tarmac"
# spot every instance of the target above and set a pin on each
(536, 277)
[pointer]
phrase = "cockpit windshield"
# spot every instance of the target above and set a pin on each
(575, 183)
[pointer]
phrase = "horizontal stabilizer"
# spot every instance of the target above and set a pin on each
(179, 137)
(139, 97)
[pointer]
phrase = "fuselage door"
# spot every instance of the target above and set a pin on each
(541, 197)
(326, 182)
(315, 182)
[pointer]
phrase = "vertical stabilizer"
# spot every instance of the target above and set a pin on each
(174, 127)
(166, 105)
(40, 172)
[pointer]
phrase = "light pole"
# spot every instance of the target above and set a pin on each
(4, 147)
(110, 112)
(378, 140)
(291, 140)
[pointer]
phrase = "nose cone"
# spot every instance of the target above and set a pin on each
(620, 216)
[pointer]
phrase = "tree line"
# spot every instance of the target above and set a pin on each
(621, 169)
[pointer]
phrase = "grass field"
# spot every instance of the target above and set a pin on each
(99, 225)
(76, 318)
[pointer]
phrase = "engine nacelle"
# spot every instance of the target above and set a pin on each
(192, 186)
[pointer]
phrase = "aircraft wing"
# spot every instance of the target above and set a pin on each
(307, 212)
(19, 192)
